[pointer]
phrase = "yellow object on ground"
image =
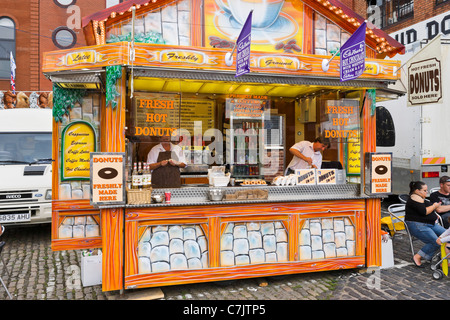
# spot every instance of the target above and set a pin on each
(445, 262)
(398, 225)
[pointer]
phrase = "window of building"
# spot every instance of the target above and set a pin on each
(110, 3)
(64, 3)
(64, 38)
(441, 1)
(385, 128)
(393, 11)
(7, 45)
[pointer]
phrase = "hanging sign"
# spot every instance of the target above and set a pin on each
(353, 55)
(243, 48)
(425, 75)
(107, 178)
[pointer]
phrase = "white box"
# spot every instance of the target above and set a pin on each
(326, 176)
(387, 254)
(91, 270)
(305, 176)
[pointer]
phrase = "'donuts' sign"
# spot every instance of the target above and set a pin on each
(378, 173)
(107, 178)
(425, 84)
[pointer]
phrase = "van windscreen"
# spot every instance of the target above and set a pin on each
(25, 147)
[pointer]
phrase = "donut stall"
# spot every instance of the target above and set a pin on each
(180, 171)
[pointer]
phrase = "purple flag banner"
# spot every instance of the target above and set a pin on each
(243, 44)
(353, 55)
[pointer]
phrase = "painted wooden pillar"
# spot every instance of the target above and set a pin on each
(373, 206)
(112, 139)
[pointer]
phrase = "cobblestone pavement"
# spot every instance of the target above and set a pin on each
(38, 273)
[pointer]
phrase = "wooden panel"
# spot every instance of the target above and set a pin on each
(245, 210)
(373, 206)
(231, 273)
(131, 238)
(155, 55)
(73, 208)
(55, 156)
(113, 140)
(308, 30)
(112, 247)
(373, 255)
(214, 220)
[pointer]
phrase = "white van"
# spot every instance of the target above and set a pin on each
(417, 136)
(25, 166)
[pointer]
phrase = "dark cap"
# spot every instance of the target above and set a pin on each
(444, 179)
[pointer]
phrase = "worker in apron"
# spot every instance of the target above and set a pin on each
(165, 161)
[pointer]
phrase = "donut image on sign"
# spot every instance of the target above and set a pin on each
(381, 169)
(108, 173)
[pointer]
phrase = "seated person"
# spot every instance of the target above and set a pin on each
(420, 217)
(443, 196)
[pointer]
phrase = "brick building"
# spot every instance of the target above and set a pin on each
(36, 27)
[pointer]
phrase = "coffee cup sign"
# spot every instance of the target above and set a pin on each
(107, 178)
(265, 13)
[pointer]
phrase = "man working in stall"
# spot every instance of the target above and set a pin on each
(443, 196)
(165, 161)
(307, 154)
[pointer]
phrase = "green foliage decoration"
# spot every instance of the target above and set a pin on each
(64, 100)
(149, 37)
(113, 73)
(372, 93)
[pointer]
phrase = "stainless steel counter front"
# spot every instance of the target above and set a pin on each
(198, 195)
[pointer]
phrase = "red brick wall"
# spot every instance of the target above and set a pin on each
(21, 18)
(423, 10)
(52, 17)
(35, 22)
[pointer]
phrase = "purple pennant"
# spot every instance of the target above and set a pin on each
(243, 43)
(353, 55)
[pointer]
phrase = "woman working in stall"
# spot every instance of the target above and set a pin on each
(165, 161)
(420, 217)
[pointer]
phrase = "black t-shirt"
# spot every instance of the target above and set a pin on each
(439, 197)
(416, 211)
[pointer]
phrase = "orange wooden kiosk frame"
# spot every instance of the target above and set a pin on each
(120, 229)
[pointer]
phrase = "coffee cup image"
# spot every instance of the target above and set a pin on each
(265, 12)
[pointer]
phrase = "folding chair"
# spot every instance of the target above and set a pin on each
(2, 244)
(397, 215)
(403, 197)
(434, 189)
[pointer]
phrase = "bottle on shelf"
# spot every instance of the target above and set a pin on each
(141, 175)
(146, 177)
(149, 176)
(135, 177)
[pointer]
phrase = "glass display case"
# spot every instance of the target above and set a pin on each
(254, 138)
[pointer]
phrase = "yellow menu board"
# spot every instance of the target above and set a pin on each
(354, 156)
(78, 141)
